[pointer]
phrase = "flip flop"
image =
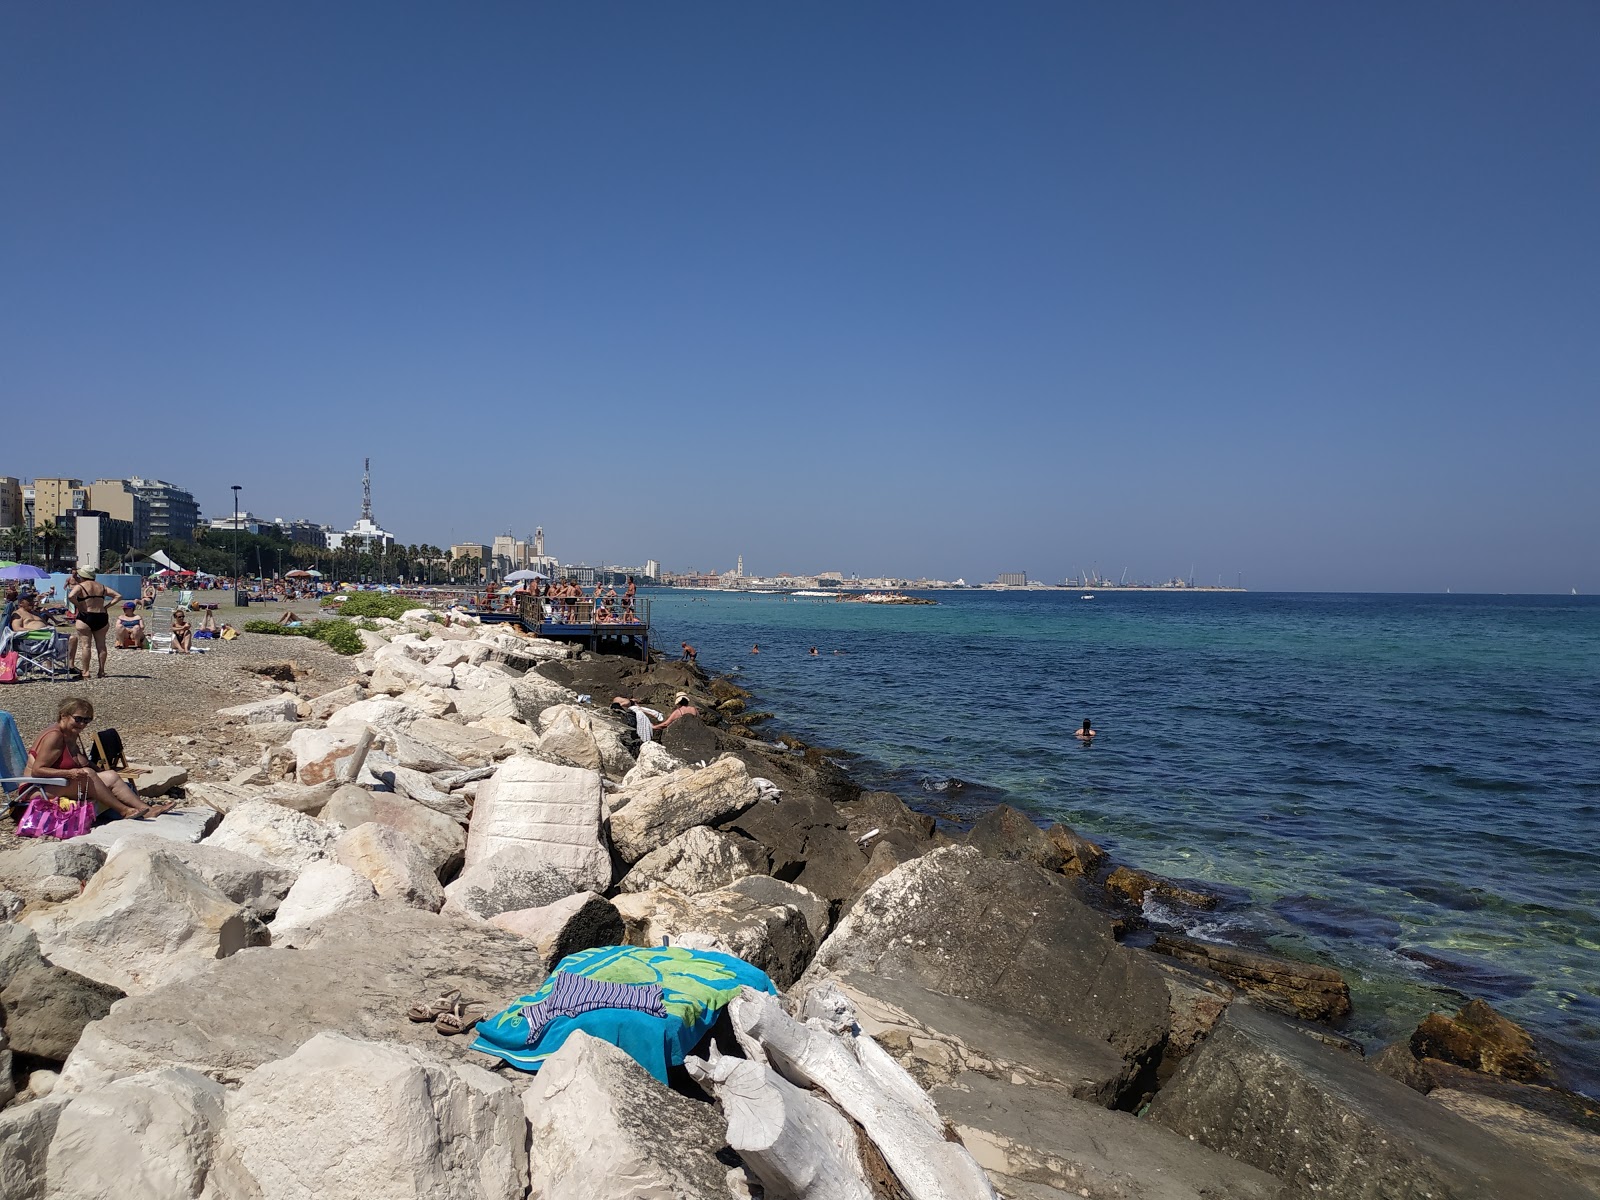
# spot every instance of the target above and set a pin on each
(459, 1019)
(155, 810)
(421, 1011)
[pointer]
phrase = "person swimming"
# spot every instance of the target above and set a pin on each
(1086, 734)
(813, 652)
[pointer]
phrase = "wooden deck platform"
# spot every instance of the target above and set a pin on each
(576, 623)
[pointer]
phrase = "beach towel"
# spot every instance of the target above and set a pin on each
(642, 718)
(695, 986)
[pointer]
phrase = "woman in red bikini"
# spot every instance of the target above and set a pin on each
(58, 753)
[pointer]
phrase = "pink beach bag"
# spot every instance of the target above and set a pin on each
(61, 818)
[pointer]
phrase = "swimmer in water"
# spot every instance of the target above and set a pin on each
(1086, 734)
(756, 649)
(813, 652)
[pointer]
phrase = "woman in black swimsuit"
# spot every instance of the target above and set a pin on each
(90, 598)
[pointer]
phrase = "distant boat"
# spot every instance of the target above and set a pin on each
(1086, 596)
(1574, 591)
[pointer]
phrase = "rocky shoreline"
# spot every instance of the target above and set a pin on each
(215, 1003)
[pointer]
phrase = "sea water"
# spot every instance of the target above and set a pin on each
(1404, 787)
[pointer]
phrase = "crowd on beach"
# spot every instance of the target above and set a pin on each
(84, 618)
(563, 602)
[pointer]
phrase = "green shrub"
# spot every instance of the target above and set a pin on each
(267, 627)
(372, 604)
(336, 635)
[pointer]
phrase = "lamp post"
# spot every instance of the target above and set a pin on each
(236, 540)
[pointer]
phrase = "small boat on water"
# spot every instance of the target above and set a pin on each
(816, 595)
(1087, 596)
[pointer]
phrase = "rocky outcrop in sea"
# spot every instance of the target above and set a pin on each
(216, 1003)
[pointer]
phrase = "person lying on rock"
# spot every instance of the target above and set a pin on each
(58, 754)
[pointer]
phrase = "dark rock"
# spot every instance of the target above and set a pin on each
(1480, 1039)
(724, 690)
(692, 740)
(1300, 989)
(1007, 834)
(46, 1008)
(1397, 1062)
(1558, 1104)
(1263, 1093)
(887, 854)
(805, 837)
(1082, 857)
(1009, 935)
(732, 707)
(1133, 886)
(1196, 1000)
(1029, 1138)
(1564, 1147)
(885, 812)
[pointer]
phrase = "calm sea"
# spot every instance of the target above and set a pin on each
(1405, 787)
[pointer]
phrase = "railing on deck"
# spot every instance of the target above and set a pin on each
(544, 612)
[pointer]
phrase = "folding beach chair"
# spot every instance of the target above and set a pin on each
(14, 784)
(41, 653)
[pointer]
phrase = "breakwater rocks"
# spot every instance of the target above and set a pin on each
(215, 1004)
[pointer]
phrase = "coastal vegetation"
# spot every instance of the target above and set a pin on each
(338, 635)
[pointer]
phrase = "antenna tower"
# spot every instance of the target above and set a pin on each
(366, 490)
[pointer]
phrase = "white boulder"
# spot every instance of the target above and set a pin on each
(394, 864)
(551, 811)
(509, 879)
(332, 755)
(697, 860)
(654, 812)
(281, 708)
(278, 835)
(324, 888)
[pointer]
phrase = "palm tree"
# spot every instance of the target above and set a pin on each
(16, 539)
(50, 541)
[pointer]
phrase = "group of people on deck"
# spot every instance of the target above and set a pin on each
(564, 603)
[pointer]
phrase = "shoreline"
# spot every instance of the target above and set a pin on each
(476, 780)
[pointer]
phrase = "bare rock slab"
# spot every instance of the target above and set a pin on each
(46, 1007)
(330, 755)
(550, 812)
(513, 878)
(342, 1117)
(356, 973)
(1005, 934)
(580, 922)
(395, 865)
(1261, 1092)
(773, 937)
(697, 860)
(188, 824)
(602, 1127)
(1305, 990)
(439, 837)
(1020, 1135)
(281, 836)
(323, 888)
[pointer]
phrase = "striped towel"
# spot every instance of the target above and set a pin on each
(574, 995)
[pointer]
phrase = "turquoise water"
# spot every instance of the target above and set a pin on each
(1406, 787)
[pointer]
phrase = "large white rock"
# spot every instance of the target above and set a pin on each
(513, 730)
(566, 735)
(394, 863)
(383, 773)
(258, 885)
(456, 653)
(400, 675)
(602, 1127)
(440, 838)
(383, 713)
(280, 836)
(511, 878)
(419, 755)
(225, 797)
(342, 1117)
(324, 888)
(654, 760)
(532, 694)
(331, 755)
(774, 937)
(145, 919)
(580, 922)
(176, 825)
(697, 860)
(481, 678)
(549, 810)
(429, 701)
(471, 747)
(25, 1133)
(146, 1137)
(281, 708)
(494, 701)
(658, 810)
(325, 705)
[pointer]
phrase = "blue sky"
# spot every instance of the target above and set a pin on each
(1307, 293)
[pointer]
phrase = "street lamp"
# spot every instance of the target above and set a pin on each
(236, 540)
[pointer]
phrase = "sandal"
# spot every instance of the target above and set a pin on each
(458, 1019)
(427, 1012)
(155, 810)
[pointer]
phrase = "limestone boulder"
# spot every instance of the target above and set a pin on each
(252, 882)
(764, 889)
(356, 973)
(533, 693)
(482, 678)
(697, 860)
(654, 760)
(509, 728)
(493, 701)
(647, 817)
(774, 937)
(601, 1126)
(429, 701)
(550, 812)
(1026, 1138)
(280, 709)
(1136, 887)
(328, 703)
(330, 755)
(417, 755)
(46, 1007)
(512, 878)
(468, 746)
(146, 1137)
(1080, 855)
(1261, 1092)
(1007, 934)
(1480, 1039)
(381, 773)
(280, 836)
(451, 653)
(579, 922)
(405, 1127)
(26, 866)
(145, 919)
(225, 797)
(158, 781)
(1005, 833)
(395, 865)
(400, 674)
(440, 838)
(566, 735)
(323, 889)
(382, 713)
(25, 1133)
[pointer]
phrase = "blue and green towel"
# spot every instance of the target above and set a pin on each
(695, 986)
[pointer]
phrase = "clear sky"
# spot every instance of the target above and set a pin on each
(1302, 292)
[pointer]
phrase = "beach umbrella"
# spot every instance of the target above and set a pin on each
(23, 571)
(298, 574)
(523, 576)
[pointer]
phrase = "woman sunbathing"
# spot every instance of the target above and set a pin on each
(58, 754)
(182, 631)
(131, 633)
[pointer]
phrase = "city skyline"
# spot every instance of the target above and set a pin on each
(1302, 294)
